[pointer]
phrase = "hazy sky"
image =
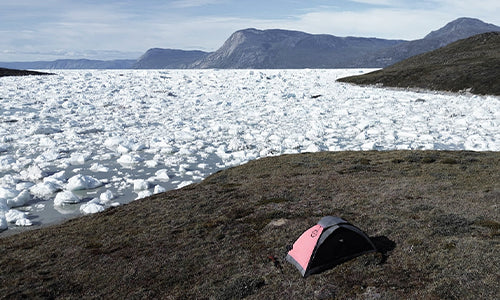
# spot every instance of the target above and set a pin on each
(105, 29)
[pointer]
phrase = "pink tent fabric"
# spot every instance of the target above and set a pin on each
(304, 246)
(330, 242)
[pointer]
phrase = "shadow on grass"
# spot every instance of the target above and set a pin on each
(384, 245)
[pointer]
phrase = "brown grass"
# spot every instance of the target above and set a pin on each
(433, 214)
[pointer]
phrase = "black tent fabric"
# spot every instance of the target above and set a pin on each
(330, 242)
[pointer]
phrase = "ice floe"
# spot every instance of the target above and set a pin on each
(17, 217)
(106, 196)
(93, 206)
(82, 182)
(66, 197)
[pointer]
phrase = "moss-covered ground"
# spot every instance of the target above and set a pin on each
(433, 214)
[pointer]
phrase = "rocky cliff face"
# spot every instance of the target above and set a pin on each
(252, 48)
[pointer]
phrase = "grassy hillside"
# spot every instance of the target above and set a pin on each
(433, 215)
(471, 64)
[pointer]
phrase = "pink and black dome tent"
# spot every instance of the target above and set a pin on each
(330, 242)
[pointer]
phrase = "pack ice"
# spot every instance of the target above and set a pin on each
(81, 141)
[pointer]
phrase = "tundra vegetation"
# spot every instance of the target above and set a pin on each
(432, 214)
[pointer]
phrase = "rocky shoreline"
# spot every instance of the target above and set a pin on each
(13, 72)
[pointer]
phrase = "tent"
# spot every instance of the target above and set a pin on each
(330, 242)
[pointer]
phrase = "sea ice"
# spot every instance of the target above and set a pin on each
(45, 130)
(6, 193)
(151, 163)
(20, 199)
(8, 180)
(184, 183)
(92, 207)
(96, 167)
(6, 162)
(129, 160)
(65, 197)
(3, 222)
(23, 222)
(17, 217)
(106, 196)
(159, 189)
(33, 173)
(162, 175)
(45, 190)
(140, 185)
(47, 156)
(120, 129)
(82, 182)
(58, 178)
(24, 185)
(122, 149)
(112, 143)
(144, 194)
(79, 158)
(4, 147)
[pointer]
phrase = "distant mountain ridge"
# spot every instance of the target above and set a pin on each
(285, 49)
(461, 28)
(456, 30)
(72, 64)
(157, 58)
(277, 48)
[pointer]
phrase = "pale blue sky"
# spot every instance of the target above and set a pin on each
(105, 29)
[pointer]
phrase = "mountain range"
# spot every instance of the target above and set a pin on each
(284, 49)
(72, 64)
(158, 58)
(459, 29)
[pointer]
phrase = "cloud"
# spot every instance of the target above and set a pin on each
(486, 10)
(33, 26)
(33, 54)
(374, 2)
(400, 20)
(383, 23)
(194, 3)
